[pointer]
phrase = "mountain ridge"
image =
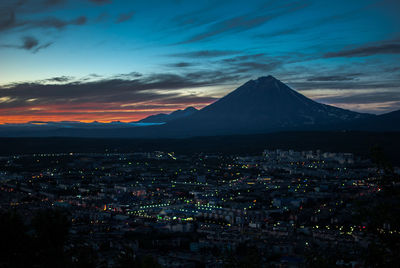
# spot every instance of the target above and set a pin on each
(163, 118)
(263, 105)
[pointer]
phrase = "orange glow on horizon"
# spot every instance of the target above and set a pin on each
(86, 113)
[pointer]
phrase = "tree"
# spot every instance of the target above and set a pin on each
(51, 228)
(14, 243)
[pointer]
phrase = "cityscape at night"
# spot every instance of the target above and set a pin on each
(188, 134)
(281, 208)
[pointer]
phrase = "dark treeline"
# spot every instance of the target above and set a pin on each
(37, 243)
(359, 143)
(41, 240)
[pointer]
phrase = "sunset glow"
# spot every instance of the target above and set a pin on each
(124, 60)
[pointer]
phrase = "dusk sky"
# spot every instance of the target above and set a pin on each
(109, 60)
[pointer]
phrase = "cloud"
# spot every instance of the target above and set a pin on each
(102, 17)
(249, 66)
(42, 47)
(10, 20)
(392, 69)
(125, 17)
(281, 32)
(100, 2)
(95, 75)
(366, 101)
(341, 85)
(258, 57)
(203, 15)
(347, 77)
(236, 24)
(10, 9)
(246, 65)
(59, 79)
(181, 64)
(374, 108)
(205, 53)
(194, 18)
(105, 100)
(251, 63)
(310, 24)
(56, 23)
(187, 100)
(146, 88)
(52, 2)
(29, 43)
(363, 98)
(7, 20)
(365, 51)
(244, 22)
(128, 76)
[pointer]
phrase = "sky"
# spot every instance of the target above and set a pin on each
(116, 60)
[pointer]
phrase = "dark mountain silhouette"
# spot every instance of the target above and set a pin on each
(384, 122)
(259, 106)
(163, 118)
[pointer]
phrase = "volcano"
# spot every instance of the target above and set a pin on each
(262, 105)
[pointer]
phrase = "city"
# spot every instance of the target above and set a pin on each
(276, 209)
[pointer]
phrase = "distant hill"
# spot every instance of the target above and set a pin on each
(163, 118)
(384, 122)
